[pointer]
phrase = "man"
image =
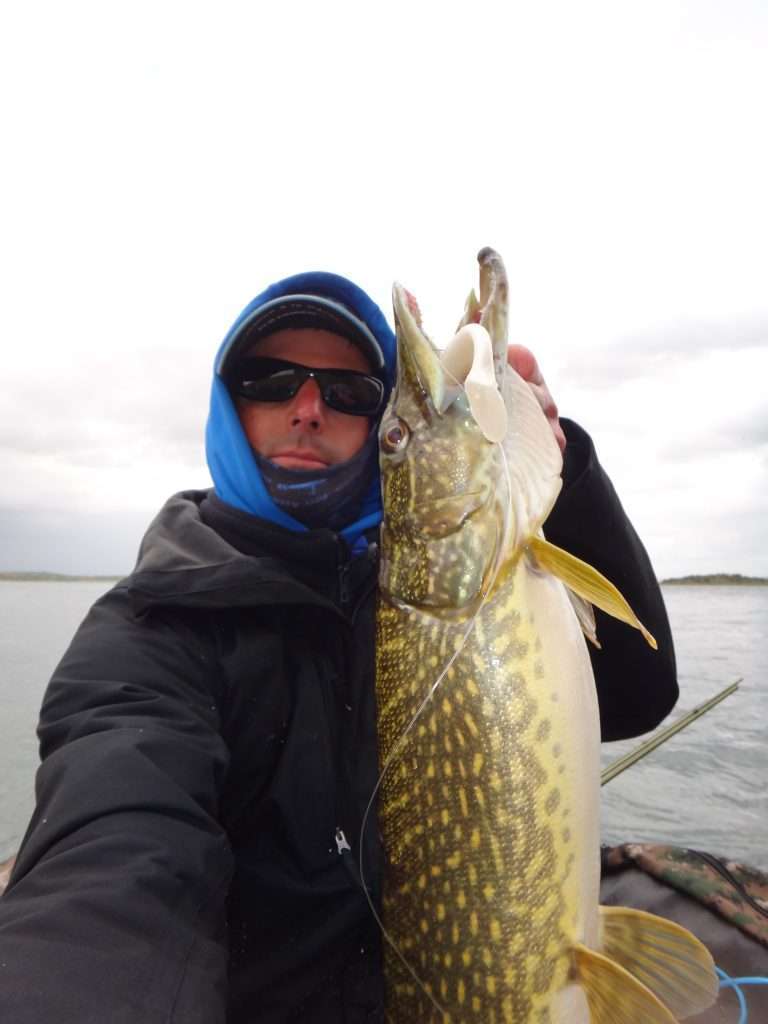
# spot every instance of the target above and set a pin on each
(208, 740)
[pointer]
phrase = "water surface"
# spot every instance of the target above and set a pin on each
(707, 788)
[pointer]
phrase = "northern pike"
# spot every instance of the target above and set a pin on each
(487, 713)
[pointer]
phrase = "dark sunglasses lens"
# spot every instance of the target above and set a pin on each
(353, 393)
(265, 380)
(276, 380)
(277, 387)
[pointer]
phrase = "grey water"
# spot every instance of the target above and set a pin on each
(706, 788)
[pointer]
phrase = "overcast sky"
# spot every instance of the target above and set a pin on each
(164, 161)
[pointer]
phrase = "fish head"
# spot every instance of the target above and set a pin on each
(444, 521)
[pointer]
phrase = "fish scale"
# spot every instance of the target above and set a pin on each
(488, 725)
(476, 844)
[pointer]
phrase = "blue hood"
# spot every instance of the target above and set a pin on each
(236, 476)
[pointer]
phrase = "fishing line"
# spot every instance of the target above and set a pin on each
(499, 558)
(726, 981)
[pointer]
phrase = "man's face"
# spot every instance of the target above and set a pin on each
(303, 432)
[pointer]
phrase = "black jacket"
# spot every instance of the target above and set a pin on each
(208, 744)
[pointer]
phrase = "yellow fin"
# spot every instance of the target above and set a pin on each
(614, 996)
(664, 956)
(587, 582)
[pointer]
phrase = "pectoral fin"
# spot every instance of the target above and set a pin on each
(585, 613)
(662, 955)
(613, 995)
(587, 582)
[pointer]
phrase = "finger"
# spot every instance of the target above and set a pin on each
(547, 403)
(560, 437)
(523, 361)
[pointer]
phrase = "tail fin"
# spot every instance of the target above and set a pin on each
(662, 955)
(649, 969)
(613, 995)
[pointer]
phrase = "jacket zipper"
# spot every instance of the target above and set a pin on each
(343, 846)
(349, 860)
(341, 782)
(344, 584)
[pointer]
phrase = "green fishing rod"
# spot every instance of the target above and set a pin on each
(622, 763)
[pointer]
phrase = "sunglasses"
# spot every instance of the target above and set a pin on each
(261, 379)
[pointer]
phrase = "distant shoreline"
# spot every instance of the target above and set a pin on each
(54, 577)
(721, 579)
(718, 579)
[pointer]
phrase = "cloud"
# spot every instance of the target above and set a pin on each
(741, 434)
(101, 412)
(679, 406)
(661, 351)
(61, 539)
(616, 208)
(714, 541)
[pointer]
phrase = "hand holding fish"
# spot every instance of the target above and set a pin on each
(523, 361)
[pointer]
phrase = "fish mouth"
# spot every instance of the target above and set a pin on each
(418, 359)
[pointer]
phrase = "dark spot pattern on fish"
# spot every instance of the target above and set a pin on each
(543, 731)
(493, 861)
(477, 891)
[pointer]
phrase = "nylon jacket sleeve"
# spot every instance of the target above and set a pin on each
(115, 909)
(636, 686)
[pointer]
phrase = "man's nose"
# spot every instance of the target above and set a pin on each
(308, 408)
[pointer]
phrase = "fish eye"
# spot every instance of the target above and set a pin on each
(394, 436)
